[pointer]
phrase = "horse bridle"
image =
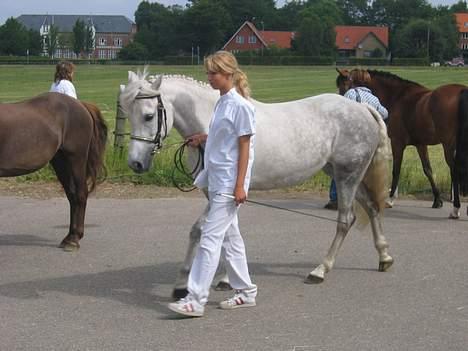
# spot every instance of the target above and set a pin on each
(162, 122)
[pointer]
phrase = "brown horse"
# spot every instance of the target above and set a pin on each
(69, 134)
(419, 116)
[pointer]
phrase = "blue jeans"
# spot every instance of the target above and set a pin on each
(332, 193)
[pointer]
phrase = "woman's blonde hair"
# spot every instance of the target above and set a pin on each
(359, 77)
(225, 62)
(64, 70)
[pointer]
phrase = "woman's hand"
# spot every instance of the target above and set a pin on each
(196, 140)
(239, 195)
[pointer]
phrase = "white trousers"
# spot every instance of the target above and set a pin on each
(219, 235)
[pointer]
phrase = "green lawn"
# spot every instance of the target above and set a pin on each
(100, 84)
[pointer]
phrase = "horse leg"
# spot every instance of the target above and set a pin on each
(449, 158)
(180, 289)
(426, 165)
(397, 153)
(346, 192)
(380, 243)
(72, 176)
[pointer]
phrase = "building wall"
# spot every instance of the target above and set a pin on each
(244, 40)
(368, 45)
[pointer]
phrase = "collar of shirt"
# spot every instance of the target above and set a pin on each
(363, 89)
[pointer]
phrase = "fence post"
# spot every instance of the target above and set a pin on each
(120, 118)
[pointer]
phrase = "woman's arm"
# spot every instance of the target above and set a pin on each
(244, 149)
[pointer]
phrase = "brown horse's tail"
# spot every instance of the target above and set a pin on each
(461, 155)
(95, 166)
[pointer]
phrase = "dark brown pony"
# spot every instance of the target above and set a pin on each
(419, 116)
(66, 132)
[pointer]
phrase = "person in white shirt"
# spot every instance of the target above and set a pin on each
(229, 155)
(63, 78)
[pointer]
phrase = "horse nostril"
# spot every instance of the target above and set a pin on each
(137, 166)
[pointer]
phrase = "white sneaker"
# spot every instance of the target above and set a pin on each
(187, 307)
(240, 299)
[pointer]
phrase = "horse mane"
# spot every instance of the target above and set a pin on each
(143, 86)
(392, 77)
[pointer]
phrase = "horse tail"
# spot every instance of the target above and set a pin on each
(95, 166)
(461, 154)
(376, 177)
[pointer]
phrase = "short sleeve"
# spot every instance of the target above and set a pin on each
(350, 94)
(244, 122)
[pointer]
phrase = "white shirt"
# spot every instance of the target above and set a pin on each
(65, 87)
(362, 94)
(234, 116)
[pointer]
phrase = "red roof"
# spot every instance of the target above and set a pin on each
(349, 37)
(462, 22)
(276, 38)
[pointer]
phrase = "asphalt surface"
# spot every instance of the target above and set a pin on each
(112, 293)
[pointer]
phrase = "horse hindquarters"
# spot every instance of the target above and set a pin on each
(77, 169)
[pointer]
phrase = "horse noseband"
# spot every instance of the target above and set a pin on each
(162, 121)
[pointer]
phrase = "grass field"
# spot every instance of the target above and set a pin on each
(100, 83)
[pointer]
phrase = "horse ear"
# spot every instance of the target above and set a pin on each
(132, 76)
(342, 72)
(156, 82)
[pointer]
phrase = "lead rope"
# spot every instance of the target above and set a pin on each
(180, 166)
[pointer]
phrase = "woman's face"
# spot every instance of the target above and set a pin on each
(220, 81)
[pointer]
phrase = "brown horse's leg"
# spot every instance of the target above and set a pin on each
(449, 158)
(71, 185)
(426, 165)
(397, 153)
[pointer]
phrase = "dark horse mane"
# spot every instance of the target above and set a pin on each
(391, 76)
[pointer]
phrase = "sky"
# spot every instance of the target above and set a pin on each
(15, 8)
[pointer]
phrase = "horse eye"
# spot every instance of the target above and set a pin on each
(149, 117)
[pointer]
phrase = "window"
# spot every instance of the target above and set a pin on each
(346, 40)
(367, 53)
(102, 41)
(465, 24)
(252, 39)
(118, 42)
(239, 39)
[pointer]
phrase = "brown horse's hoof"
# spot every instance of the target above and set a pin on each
(223, 286)
(70, 246)
(437, 204)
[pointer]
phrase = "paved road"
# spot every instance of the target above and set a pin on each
(112, 294)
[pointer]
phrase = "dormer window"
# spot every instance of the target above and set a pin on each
(346, 40)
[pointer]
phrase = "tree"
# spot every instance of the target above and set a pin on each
(14, 38)
(89, 43)
(52, 40)
(206, 23)
(316, 31)
(134, 51)
(79, 37)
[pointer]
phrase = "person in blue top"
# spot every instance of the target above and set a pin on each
(228, 159)
(359, 92)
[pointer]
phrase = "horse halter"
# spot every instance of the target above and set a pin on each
(162, 121)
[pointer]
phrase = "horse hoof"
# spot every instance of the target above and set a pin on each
(437, 204)
(388, 204)
(223, 286)
(384, 266)
(70, 246)
(179, 293)
(313, 279)
(452, 216)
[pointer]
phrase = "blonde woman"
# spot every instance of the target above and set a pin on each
(63, 78)
(229, 155)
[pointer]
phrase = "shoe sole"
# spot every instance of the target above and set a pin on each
(185, 313)
(244, 305)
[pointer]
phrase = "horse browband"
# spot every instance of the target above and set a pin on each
(162, 119)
